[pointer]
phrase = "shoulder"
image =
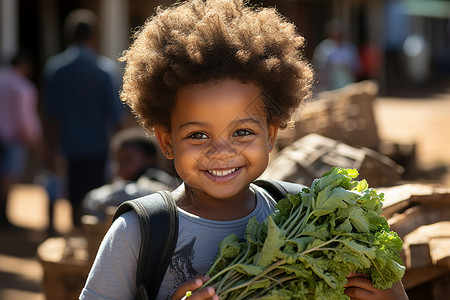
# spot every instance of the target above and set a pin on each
(127, 225)
(113, 272)
(107, 65)
(123, 238)
(59, 60)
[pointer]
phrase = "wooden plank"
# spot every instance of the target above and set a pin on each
(418, 256)
(441, 287)
(440, 250)
(418, 216)
(400, 197)
(415, 277)
(427, 253)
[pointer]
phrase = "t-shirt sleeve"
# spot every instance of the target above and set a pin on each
(113, 273)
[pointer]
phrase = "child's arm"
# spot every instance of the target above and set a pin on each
(359, 286)
(192, 285)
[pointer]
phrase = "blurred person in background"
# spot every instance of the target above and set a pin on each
(20, 126)
(138, 173)
(335, 59)
(82, 103)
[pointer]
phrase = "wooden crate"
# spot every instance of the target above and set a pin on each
(67, 260)
(66, 267)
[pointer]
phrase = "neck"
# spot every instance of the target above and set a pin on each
(199, 203)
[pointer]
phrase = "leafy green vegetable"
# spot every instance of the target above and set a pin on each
(310, 243)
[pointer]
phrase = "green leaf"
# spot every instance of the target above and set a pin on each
(319, 266)
(301, 243)
(371, 200)
(359, 248)
(298, 269)
(330, 199)
(362, 185)
(390, 274)
(346, 226)
(320, 232)
(251, 270)
(277, 295)
(229, 247)
(274, 241)
(252, 232)
(359, 220)
(348, 261)
(337, 177)
(284, 206)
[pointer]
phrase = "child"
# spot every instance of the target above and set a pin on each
(138, 173)
(214, 80)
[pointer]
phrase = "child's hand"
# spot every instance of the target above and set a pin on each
(359, 286)
(192, 285)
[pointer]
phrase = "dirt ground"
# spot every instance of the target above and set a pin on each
(425, 122)
(423, 118)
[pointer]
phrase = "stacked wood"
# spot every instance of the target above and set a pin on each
(420, 214)
(344, 114)
(309, 157)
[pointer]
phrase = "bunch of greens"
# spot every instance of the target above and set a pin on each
(310, 243)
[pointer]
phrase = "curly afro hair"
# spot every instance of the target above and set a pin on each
(199, 41)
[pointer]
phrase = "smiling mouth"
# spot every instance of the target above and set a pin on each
(222, 173)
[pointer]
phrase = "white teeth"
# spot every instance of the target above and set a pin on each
(222, 173)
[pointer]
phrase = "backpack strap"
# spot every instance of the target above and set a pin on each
(279, 189)
(158, 221)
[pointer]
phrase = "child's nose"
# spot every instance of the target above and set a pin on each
(220, 148)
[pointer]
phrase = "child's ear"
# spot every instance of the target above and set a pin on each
(165, 141)
(272, 135)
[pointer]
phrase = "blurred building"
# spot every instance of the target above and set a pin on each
(377, 27)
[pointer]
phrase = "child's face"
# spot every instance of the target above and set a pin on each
(131, 160)
(219, 138)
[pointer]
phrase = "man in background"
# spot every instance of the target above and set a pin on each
(82, 102)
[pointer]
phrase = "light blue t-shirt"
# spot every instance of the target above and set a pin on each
(113, 273)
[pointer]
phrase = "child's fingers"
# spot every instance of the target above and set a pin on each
(363, 282)
(204, 294)
(358, 293)
(192, 285)
(360, 287)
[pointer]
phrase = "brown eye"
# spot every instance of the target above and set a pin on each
(198, 136)
(242, 132)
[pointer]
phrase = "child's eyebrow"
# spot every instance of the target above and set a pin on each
(234, 123)
(248, 120)
(193, 123)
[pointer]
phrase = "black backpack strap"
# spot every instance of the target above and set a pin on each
(278, 189)
(158, 221)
